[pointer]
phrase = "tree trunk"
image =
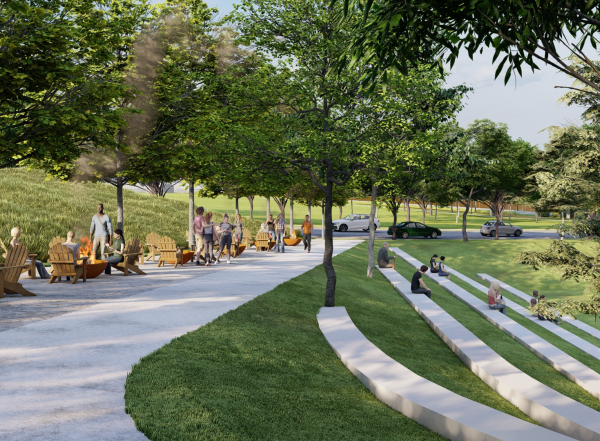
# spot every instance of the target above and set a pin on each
(536, 217)
(191, 203)
(464, 220)
(497, 213)
(309, 211)
(424, 211)
(323, 218)
(237, 206)
(120, 183)
(457, 211)
(371, 264)
(509, 212)
(251, 200)
(291, 214)
(268, 206)
(351, 206)
(562, 234)
(394, 215)
(436, 205)
(407, 202)
(340, 212)
(431, 209)
(451, 208)
(328, 254)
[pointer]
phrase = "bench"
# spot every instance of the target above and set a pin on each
(429, 404)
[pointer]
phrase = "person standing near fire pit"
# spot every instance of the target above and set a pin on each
(102, 227)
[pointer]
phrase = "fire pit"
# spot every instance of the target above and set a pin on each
(94, 268)
(292, 242)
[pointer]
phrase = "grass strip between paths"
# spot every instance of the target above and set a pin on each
(264, 370)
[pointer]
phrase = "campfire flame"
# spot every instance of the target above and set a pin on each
(293, 234)
(86, 249)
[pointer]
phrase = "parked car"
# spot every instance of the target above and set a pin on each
(489, 229)
(406, 229)
(354, 222)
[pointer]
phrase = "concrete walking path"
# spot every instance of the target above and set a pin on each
(63, 378)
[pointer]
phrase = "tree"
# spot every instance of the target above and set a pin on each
(61, 73)
(398, 33)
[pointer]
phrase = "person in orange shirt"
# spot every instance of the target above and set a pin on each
(307, 227)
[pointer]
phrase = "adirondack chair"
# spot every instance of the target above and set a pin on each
(169, 252)
(30, 268)
(10, 271)
(4, 248)
(246, 238)
(131, 253)
(63, 264)
(262, 241)
(152, 241)
(56, 241)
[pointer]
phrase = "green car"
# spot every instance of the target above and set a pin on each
(406, 229)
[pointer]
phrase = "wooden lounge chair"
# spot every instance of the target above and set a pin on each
(56, 241)
(30, 268)
(131, 253)
(10, 271)
(246, 238)
(63, 264)
(4, 248)
(152, 241)
(262, 241)
(169, 252)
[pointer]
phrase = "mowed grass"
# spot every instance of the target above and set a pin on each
(445, 219)
(496, 258)
(264, 370)
(509, 349)
(44, 209)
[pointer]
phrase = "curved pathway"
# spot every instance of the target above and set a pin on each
(63, 378)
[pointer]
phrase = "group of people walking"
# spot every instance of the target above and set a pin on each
(207, 233)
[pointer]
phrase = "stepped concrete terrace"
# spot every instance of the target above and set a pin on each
(514, 291)
(431, 405)
(542, 403)
(63, 378)
(574, 370)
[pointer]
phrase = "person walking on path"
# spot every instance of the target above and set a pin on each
(210, 235)
(198, 234)
(383, 259)
(271, 227)
(239, 229)
(102, 230)
(307, 227)
(118, 248)
(441, 268)
(493, 301)
(226, 230)
(417, 284)
(280, 233)
(39, 266)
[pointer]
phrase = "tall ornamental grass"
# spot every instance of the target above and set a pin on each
(45, 209)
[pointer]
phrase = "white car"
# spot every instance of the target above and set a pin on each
(489, 229)
(354, 222)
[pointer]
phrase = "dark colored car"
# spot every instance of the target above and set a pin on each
(407, 229)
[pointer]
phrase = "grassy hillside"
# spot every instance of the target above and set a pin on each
(46, 209)
(445, 219)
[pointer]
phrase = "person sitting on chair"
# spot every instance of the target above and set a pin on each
(16, 234)
(74, 248)
(417, 285)
(118, 247)
(383, 259)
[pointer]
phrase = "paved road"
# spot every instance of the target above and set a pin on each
(446, 234)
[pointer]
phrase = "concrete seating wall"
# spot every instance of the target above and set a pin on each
(514, 291)
(559, 360)
(575, 340)
(542, 403)
(431, 405)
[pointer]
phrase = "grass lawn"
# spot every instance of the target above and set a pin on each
(496, 259)
(46, 209)
(264, 370)
(445, 219)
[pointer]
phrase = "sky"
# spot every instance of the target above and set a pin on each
(528, 105)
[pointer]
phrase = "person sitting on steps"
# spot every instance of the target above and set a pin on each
(383, 259)
(493, 301)
(546, 318)
(434, 269)
(417, 285)
(16, 234)
(441, 271)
